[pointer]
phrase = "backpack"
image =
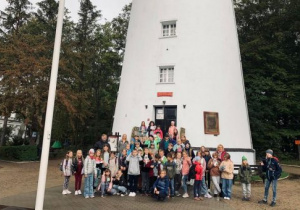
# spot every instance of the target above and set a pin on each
(279, 168)
(61, 165)
(192, 172)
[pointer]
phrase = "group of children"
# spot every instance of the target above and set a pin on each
(159, 169)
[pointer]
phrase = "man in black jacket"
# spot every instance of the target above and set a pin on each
(103, 141)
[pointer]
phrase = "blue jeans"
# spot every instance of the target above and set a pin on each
(104, 188)
(203, 186)
(172, 186)
(226, 187)
(184, 180)
(119, 188)
(197, 188)
(88, 185)
(274, 188)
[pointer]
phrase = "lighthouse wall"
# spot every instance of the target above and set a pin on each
(207, 71)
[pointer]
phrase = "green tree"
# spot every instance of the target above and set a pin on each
(269, 40)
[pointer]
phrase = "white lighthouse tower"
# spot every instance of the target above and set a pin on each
(182, 63)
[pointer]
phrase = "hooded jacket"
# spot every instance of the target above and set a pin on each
(134, 164)
(162, 185)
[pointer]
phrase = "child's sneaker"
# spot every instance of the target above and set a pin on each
(86, 196)
(263, 202)
(196, 199)
(272, 204)
(133, 194)
(76, 192)
(247, 199)
(64, 192)
(122, 194)
(79, 192)
(208, 196)
(200, 198)
(185, 195)
(92, 196)
(244, 199)
(130, 194)
(68, 191)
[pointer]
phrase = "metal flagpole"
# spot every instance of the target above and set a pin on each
(40, 195)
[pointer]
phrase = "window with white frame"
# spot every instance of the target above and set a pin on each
(166, 74)
(169, 28)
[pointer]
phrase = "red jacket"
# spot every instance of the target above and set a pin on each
(198, 170)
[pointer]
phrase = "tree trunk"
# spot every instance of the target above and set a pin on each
(3, 130)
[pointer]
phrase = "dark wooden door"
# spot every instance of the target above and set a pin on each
(164, 116)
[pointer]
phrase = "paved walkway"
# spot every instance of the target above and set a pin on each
(292, 169)
(55, 200)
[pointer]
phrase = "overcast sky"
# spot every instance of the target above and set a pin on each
(109, 8)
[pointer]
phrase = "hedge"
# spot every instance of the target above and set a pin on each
(23, 153)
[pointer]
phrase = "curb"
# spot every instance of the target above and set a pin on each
(20, 162)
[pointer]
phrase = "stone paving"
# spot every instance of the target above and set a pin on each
(55, 200)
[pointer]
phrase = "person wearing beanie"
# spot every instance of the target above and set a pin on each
(245, 174)
(90, 172)
(273, 172)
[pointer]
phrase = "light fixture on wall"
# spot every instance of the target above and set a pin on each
(146, 106)
(184, 105)
(164, 102)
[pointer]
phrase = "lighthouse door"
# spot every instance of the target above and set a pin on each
(164, 115)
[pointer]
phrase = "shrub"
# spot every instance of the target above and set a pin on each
(23, 153)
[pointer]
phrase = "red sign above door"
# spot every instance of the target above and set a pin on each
(164, 94)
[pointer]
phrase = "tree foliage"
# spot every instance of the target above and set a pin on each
(89, 69)
(269, 34)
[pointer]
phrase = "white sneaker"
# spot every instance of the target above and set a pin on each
(68, 192)
(208, 196)
(79, 192)
(185, 195)
(86, 196)
(64, 192)
(92, 196)
(122, 195)
(226, 198)
(130, 194)
(133, 194)
(76, 192)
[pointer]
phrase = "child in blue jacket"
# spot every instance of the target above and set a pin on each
(161, 186)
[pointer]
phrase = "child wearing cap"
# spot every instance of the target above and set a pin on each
(89, 173)
(273, 172)
(245, 178)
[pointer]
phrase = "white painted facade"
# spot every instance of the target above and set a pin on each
(207, 71)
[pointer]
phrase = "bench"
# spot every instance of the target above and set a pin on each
(256, 170)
